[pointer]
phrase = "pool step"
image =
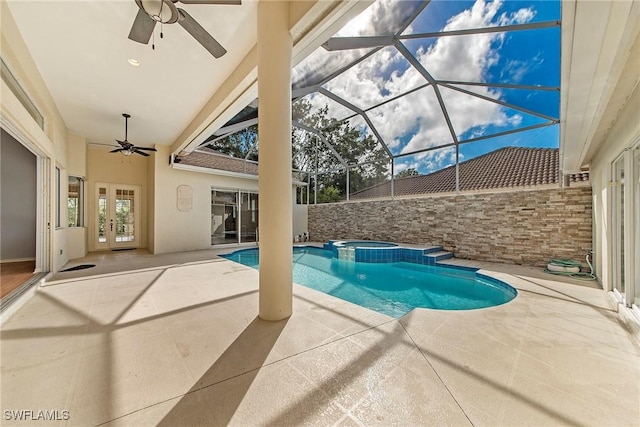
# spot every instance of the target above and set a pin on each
(431, 249)
(347, 254)
(441, 255)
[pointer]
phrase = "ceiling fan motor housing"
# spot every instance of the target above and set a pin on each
(150, 12)
(163, 11)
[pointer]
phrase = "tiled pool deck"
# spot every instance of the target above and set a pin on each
(175, 340)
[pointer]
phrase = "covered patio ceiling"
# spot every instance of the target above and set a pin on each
(427, 78)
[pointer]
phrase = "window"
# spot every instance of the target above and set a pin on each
(58, 199)
(22, 96)
(75, 202)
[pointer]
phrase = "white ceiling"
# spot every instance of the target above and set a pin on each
(598, 74)
(81, 49)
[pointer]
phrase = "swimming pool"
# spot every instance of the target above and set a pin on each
(390, 288)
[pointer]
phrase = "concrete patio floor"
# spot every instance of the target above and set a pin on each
(175, 340)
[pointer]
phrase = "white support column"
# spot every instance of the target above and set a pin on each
(457, 168)
(274, 169)
(393, 178)
(347, 183)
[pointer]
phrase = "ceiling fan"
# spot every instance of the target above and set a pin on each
(126, 147)
(165, 12)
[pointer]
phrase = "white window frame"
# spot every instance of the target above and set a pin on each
(631, 217)
(58, 178)
(81, 202)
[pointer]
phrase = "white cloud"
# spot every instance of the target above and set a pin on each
(381, 18)
(428, 161)
(415, 121)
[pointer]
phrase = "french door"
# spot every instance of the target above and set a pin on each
(117, 216)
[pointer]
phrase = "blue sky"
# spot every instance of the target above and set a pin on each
(416, 122)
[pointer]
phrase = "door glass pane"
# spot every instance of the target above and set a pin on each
(125, 215)
(102, 215)
(224, 217)
(249, 217)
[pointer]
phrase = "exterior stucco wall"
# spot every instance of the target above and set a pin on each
(521, 227)
(173, 230)
(300, 218)
(176, 230)
(624, 133)
(77, 166)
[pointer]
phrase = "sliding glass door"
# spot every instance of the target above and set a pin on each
(249, 218)
(617, 216)
(625, 227)
(234, 217)
(224, 217)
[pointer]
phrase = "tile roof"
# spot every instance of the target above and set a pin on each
(208, 158)
(505, 167)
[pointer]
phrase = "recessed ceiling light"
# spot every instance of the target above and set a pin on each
(134, 62)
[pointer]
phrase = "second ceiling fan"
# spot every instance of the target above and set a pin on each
(126, 147)
(165, 12)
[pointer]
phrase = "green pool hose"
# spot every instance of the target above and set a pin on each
(566, 265)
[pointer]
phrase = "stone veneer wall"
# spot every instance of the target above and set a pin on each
(519, 227)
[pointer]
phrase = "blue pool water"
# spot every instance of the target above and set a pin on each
(390, 288)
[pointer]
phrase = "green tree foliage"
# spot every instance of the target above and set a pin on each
(407, 172)
(329, 194)
(311, 154)
(240, 144)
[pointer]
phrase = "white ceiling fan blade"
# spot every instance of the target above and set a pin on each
(200, 34)
(142, 28)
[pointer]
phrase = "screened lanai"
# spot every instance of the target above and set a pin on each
(413, 87)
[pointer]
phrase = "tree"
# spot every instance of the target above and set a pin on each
(311, 153)
(329, 194)
(407, 172)
(242, 144)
